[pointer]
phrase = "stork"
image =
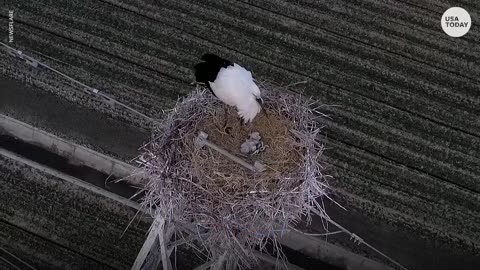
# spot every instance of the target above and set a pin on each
(231, 83)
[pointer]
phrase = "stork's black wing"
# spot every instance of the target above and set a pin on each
(216, 60)
(207, 71)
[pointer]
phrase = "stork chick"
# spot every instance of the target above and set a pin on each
(231, 83)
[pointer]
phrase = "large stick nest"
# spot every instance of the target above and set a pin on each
(232, 210)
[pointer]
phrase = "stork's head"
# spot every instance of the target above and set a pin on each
(250, 107)
(256, 92)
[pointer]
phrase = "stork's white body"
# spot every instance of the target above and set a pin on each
(234, 86)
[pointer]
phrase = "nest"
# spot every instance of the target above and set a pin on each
(229, 211)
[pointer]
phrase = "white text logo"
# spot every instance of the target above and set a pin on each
(456, 22)
(10, 26)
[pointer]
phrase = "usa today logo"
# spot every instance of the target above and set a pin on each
(456, 22)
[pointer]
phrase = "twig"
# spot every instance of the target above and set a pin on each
(205, 265)
(202, 140)
(317, 234)
(155, 228)
(219, 263)
(163, 246)
(297, 83)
